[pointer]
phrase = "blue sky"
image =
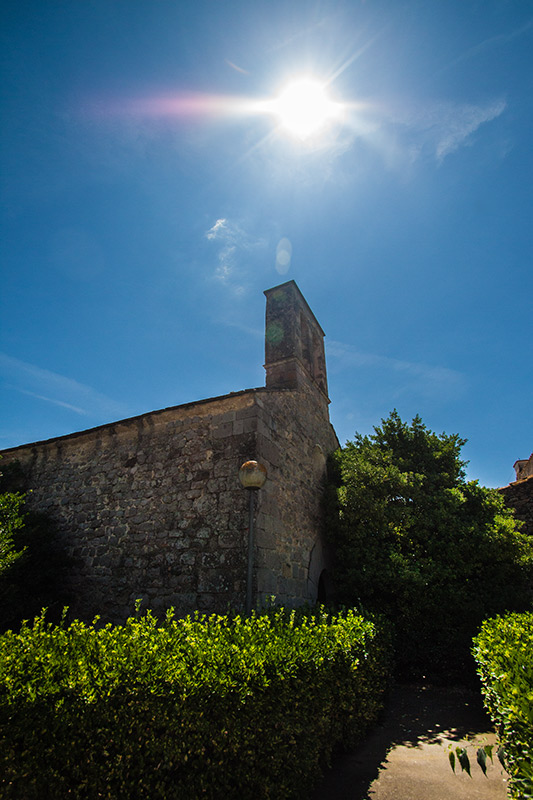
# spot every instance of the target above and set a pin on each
(144, 200)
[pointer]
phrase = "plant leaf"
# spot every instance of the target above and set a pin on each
(451, 756)
(464, 761)
(482, 760)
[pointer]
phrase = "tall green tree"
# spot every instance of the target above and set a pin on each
(418, 542)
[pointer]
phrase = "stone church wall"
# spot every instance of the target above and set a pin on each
(151, 507)
(294, 438)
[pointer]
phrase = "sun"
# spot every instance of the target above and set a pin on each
(304, 108)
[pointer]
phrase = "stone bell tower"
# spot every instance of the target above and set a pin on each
(294, 342)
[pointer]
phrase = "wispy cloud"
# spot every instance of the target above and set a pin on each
(399, 376)
(446, 126)
(217, 229)
(51, 387)
(234, 245)
(51, 400)
(406, 132)
(462, 123)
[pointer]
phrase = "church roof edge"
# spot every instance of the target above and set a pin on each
(74, 434)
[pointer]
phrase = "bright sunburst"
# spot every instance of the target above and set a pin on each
(304, 108)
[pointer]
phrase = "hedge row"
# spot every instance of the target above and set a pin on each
(504, 654)
(203, 707)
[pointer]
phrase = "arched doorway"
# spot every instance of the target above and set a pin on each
(322, 594)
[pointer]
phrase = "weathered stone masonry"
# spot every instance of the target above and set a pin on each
(151, 507)
(519, 494)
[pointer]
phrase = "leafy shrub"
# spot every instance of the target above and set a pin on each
(201, 707)
(414, 540)
(503, 651)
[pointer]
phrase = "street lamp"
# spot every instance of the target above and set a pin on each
(252, 476)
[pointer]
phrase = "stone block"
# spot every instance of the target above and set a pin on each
(212, 559)
(238, 427)
(225, 540)
(266, 581)
(213, 580)
(228, 416)
(249, 425)
(222, 431)
(266, 540)
(244, 413)
(229, 501)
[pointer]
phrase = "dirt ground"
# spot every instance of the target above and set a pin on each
(405, 756)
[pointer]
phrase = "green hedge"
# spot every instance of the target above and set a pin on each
(504, 654)
(204, 707)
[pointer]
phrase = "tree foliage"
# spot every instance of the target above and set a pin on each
(417, 541)
(33, 561)
(11, 520)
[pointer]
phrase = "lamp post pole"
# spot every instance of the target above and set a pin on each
(252, 476)
(250, 569)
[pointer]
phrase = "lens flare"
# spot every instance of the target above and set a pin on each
(303, 109)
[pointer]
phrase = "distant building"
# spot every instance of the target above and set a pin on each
(519, 494)
(524, 469)
(151, 507)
